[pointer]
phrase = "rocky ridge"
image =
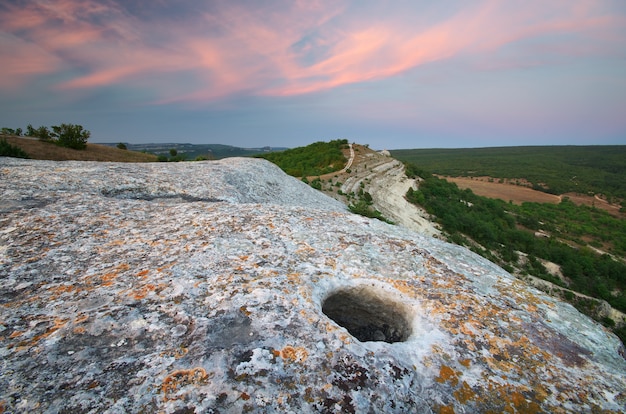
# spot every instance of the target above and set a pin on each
(228, 286)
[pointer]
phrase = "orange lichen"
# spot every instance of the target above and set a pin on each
(291, 354)
(245, 311)
(58, 324)
(81, 319)
(404, 287)
(59, 290)
(145, 290)
(446, 410)
(464, 394)
(245, 396)
(180, 378)
(108, 278)
(447, 374)
(143, 273)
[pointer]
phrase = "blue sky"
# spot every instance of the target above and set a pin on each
(400, 74)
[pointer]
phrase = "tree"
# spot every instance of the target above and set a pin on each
(121, 145)
(43, 133)
(30, 131)
(71, 136)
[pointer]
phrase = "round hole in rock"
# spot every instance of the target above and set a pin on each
(368, 315)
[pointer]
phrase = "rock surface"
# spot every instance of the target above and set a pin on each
(203, 287)
(384, 178)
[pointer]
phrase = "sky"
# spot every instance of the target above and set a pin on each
(253, 73)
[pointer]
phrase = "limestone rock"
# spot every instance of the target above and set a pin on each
(230, 287)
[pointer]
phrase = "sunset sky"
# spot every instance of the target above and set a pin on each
(392, 74)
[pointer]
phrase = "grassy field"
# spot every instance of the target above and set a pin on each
(587, 170)
(39, 150)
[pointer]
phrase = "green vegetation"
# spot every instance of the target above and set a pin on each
(8, 150)
(197, 152)
(71, 136)
(520, 237)
(64, 135)
(363, 206)
(313, 160)
(174, 156)
(553, 169)
(46, 150)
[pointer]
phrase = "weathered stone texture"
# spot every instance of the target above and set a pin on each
(200, 286)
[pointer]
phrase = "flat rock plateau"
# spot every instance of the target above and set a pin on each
(227, 286)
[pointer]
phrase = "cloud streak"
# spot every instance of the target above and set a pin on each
(410, 66)
(284, 49)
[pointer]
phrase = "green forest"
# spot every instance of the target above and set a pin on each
(567, 234)
(594, 169)
(313, 160)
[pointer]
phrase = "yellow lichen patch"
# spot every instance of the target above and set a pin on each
(143, 273)
(82, 318)
(446, 410)
(180, 378)
(517, 403)
(346, 339)
(57, 291)
(293, 277)
(58, 324)
(145, 290)
(447, 374)
(464, 394)
(108, 278)
(404, 287)
(245, 311)
(80, 329)
(294, 354)
(468, 328)
(176, 353)
(465, 362)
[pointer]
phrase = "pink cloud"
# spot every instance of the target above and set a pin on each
(235, 49)
(22, 61)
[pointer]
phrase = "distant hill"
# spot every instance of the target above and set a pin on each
(192, 151)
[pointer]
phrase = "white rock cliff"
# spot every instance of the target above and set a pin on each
(230, 287)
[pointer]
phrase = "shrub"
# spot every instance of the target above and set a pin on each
(8, 150)
(71, 136)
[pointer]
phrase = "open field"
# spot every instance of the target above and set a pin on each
(517, 194)
(588, 170)
(507, 192)
(39, 150)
